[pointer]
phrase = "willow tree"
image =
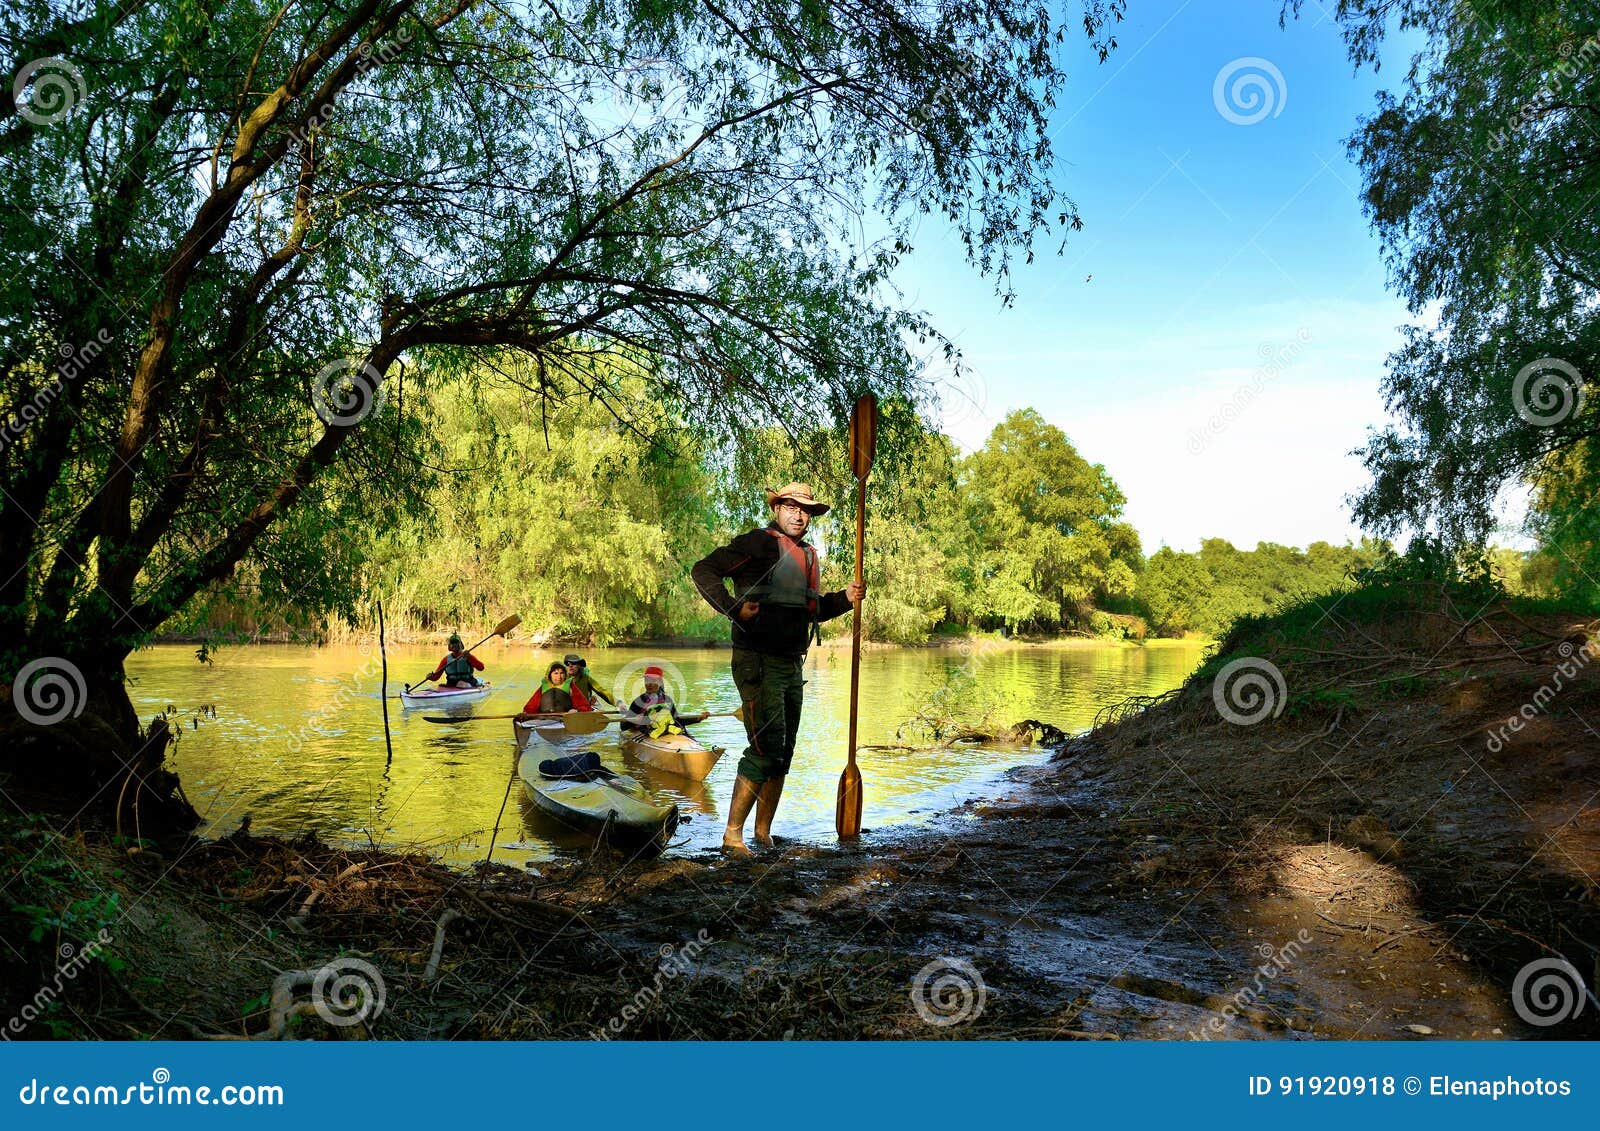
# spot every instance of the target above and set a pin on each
(1481, 172)
(240, 237)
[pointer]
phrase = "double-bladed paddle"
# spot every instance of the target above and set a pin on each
(500, 629)
(576, 722)
(863, 440)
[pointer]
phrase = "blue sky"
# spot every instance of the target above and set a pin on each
(1215, 335)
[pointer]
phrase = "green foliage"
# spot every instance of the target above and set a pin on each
(1207, 591)
(589, 530)
(1048, 539)
(563, 516)
(254, 210)
(1480, 176)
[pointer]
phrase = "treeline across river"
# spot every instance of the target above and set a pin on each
(567, 516)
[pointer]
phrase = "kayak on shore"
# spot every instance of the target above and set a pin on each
(609, 806)
(442, 696)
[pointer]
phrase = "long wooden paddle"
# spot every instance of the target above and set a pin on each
(863, 440)
(576, 722)
(500, 629)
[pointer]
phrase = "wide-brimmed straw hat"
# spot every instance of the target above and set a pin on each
(799, 493)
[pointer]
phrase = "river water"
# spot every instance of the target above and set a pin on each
(294, 736)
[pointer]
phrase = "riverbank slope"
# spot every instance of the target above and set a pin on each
(1356, 841)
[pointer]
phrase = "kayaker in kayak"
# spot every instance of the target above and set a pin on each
(457, 666)
(775, 609)
(578, 676)
(555, 695)
(655, 705)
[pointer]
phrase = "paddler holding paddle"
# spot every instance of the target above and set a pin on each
(457, 666)
(775, 609)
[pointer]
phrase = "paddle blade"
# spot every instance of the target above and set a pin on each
(506, 625)
(863, 434)
(585, 722)
(847, 816)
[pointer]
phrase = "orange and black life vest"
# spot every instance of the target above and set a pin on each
(793, 580)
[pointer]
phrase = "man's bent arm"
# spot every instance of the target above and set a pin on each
(833, 605)
(708, 574)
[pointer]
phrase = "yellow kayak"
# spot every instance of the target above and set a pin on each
(672, 753)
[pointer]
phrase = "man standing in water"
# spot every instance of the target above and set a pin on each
(775, 609)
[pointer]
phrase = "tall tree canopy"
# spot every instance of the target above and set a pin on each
(236, 238)
(1051, 542)
(1481, 175)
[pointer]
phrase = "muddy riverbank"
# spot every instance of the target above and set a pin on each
(1381, 854)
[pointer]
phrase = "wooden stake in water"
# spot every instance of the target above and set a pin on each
(383, 654)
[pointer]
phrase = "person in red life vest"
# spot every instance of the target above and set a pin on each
(457, 666)
(775, 609)
(555, 695)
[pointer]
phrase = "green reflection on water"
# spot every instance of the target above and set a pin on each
(298, 739)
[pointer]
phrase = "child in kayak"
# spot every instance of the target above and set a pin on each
(555, 695)
(655, 708)
(457, 666)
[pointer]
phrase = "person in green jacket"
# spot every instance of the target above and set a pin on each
(578, 675)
